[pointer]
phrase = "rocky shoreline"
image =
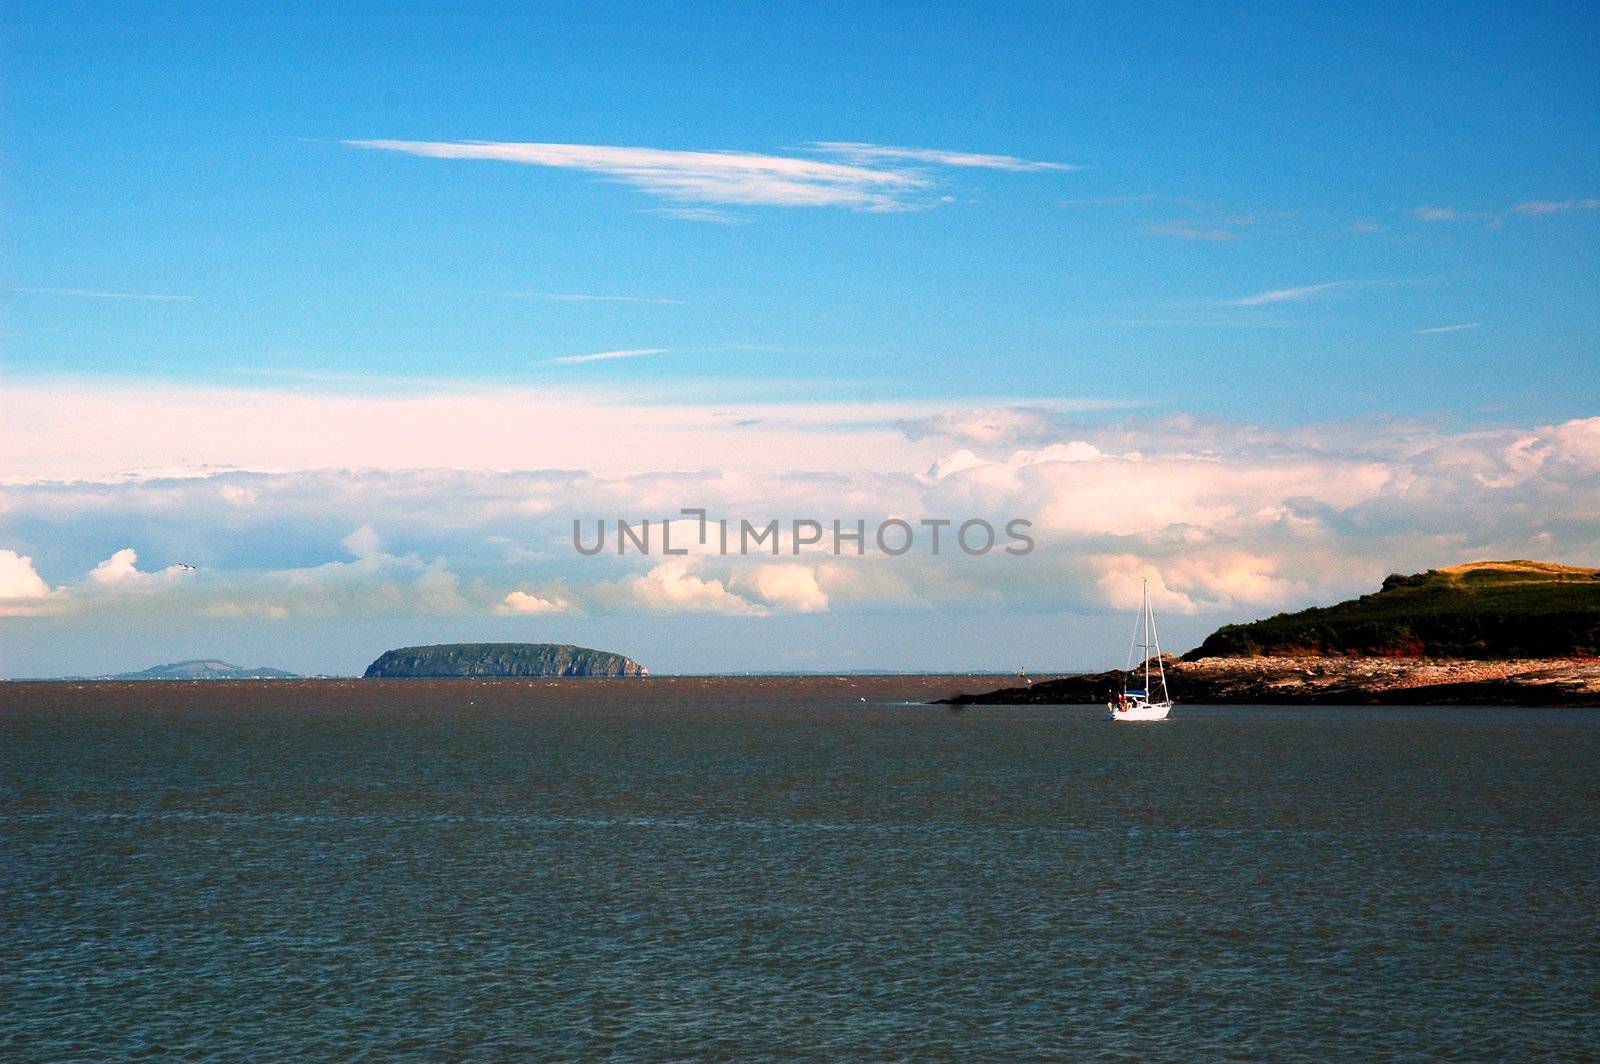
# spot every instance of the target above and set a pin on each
(1314, 680)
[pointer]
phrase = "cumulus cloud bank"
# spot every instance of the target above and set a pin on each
(1221, 518)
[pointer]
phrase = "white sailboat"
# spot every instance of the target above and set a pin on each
(1143, 704)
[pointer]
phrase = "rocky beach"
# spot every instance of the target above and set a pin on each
(1310, 680)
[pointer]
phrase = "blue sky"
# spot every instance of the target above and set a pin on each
(1297, 221)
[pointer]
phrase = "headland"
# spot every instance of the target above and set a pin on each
(1491, 633)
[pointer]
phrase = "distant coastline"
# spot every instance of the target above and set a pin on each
(1460, 635)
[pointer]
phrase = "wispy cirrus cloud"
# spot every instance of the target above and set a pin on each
(730, 177)
(1497, 218)
(602, 356)
(1437, 329)
(1189, 230)
(1198, 220)
(1556, 206)
(881, 153)
(709, 215)
(739, 178)
(95, 293)
(1284, 295)
(1202, 221)
(1112, 201)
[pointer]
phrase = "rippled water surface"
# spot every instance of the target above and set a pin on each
(756, 868)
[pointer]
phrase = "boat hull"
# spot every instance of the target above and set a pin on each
(1140, 711)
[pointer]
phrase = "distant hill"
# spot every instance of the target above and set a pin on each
(1488, 610)
(205, 669)
(501, 659)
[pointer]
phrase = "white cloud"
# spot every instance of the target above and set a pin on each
(1436, 214)
(983, 426)
(1463, 327)
(1497, 218)
(1575, 444)
(233, 611)
(1223, 579)
(1199, 581)
(1283, 295)
(18, 580)
(879, 153)
(375, 584)
(1123, 579)
(71, 429)
(1071, 451)
(524, 602)
(602, 356)
(724, 177)
(1131, 495)
(709, 215)
(790, 586)
(121, 567)
(673, 587)
(954, 463)
(1190, 230)
(364, 542)
(737, 178)
(438, 591)
(121, 572)
(1556, 206)
(1006, 473)
(1231, 517)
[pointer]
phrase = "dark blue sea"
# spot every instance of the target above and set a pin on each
(756, 869)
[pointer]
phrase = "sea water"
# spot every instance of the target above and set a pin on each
(750, 869)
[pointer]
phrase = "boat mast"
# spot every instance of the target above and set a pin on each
(1145, 609)
(1161, 666)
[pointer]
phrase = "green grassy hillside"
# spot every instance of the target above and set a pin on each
(1507, 609)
